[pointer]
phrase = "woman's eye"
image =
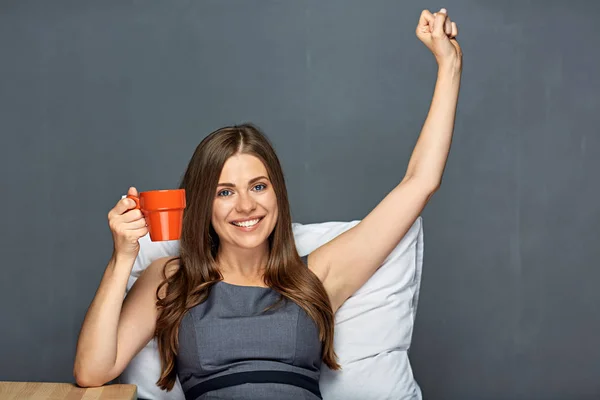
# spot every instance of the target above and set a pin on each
(261, 187)
(224, 193)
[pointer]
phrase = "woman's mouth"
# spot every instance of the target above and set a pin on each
(248, 225)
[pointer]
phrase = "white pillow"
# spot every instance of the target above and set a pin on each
(373, 328)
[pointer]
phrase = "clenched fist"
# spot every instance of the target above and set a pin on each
(439, 33)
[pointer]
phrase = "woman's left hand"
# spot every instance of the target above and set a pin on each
(438, 33)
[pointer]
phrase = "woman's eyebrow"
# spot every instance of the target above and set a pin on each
(250, 182)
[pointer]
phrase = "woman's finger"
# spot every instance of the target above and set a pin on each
(140, 232)
(448, 26)
(454, 30)
(426, 18)
(439, 23)
(123, 206)
(137, 224)
(133, 215)
(425, 22)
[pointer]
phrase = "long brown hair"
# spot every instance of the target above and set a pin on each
(190, 284)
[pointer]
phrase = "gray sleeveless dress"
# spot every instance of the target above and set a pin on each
(230, 349)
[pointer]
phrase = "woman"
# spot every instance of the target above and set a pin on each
(238, 314)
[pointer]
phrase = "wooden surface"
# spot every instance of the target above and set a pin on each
(59, 391)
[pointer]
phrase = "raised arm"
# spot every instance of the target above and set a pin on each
(348, 261)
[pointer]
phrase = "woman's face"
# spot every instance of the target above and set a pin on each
(245, 206)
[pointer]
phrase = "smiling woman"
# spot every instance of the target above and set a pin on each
(239, 314)
(237, 230)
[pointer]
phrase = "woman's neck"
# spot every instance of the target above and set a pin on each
(248, 264)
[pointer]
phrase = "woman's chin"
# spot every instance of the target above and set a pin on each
(251, 243)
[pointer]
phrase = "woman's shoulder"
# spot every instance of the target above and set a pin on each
(161, 270)
(169, 265)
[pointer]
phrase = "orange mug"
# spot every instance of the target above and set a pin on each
(163, 210)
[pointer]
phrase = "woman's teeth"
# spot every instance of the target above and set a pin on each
(247, 224)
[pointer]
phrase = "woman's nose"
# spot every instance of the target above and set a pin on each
(245, 203)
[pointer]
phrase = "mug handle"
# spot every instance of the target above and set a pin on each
(136, 199)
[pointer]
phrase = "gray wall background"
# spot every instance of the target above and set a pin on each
(96, 96)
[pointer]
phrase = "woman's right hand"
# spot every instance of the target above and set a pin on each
(127, 225)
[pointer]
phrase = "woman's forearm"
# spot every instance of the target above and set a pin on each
(97, 344)
(430, 154)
